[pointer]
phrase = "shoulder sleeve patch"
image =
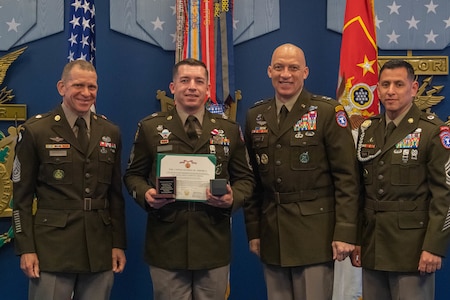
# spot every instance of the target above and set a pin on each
(341, 119)
(445, 136)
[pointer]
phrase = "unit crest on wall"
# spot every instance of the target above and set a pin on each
(8, 112)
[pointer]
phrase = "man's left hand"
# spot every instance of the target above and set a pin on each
(429, 263)
(223, 201)
(341, 250)
(118, 260)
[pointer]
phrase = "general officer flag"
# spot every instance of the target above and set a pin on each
(82, 31)
(358, 69)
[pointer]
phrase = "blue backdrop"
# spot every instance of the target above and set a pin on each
(131, 71)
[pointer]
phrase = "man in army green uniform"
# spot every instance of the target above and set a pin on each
(69, 159)
(405, 159)
(303, 213)
(188, 242)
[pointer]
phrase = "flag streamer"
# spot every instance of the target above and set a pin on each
(205, 32)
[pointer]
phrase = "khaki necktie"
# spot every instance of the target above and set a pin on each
(82, 134)
(283, 114)
(191, 132)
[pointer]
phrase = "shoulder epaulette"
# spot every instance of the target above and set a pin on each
(322, 98)
(432, 118)
(102, 117)
(155, 115)
(225, 118)
(375, 117)
(262, 101)
(325, 99)
(38, 117)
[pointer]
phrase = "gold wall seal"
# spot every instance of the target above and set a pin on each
(7, 151)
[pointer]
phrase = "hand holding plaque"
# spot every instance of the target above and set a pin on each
(165, 187)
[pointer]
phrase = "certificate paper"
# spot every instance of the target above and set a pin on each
(193, 173)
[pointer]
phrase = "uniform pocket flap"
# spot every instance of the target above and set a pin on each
(413, 220)
(318, 206)
(54, 218)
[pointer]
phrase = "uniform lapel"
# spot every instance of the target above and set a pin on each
(96, 133)
(270, 116)
(208, 124)
(378, 132)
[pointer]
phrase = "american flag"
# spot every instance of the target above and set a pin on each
(403, 24)
(417, 25)
(82, 31)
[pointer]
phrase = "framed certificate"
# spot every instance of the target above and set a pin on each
(193, 173)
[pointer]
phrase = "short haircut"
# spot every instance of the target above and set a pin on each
(398, 63)
(82, 64)
(189, 62)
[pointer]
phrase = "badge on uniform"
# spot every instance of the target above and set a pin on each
(260, 120)
(57, 139)
(445, 136)
(164, 133)
(304, 157)
(105, 144)
(58, 174)
(341, 119)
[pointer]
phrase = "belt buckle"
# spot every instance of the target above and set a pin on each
(87, 204)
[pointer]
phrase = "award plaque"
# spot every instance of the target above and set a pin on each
(165, 187)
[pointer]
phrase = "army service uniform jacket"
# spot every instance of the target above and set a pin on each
(184, 234)
(406, 191)
(80, 213)
(306, 193)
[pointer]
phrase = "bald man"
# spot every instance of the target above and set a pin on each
(303, 213)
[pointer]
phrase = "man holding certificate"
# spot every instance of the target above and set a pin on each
(189, 171)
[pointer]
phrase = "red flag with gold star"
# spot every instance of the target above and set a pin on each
(358, 71)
